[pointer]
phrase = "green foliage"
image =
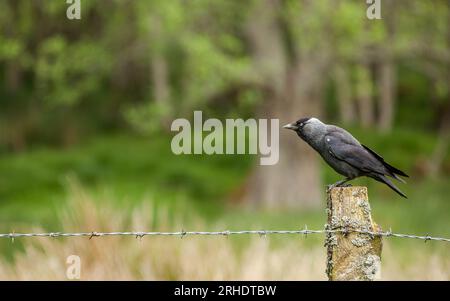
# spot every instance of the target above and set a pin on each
(103, 65)
(67, 73)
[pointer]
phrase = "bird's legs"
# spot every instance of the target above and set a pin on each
(340, 183)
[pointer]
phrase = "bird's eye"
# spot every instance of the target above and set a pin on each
(301, 124)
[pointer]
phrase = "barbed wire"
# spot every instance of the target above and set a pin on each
(227, 233)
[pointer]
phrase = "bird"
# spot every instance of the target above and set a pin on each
(345, 154)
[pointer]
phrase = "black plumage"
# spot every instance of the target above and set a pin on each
(345, 154)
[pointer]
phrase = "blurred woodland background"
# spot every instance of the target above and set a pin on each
(86, 107)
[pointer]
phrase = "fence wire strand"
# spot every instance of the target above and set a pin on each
(227, 233)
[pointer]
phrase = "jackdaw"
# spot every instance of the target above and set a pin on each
(345, 154)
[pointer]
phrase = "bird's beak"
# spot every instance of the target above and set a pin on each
(290, 126)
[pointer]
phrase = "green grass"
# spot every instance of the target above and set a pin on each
(34, 183)
(130, 168)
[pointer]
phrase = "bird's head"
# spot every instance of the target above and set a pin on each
(309, 129)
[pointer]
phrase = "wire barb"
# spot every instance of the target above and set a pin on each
(139, 235)
(263, 234)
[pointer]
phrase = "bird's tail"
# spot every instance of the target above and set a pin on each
(398, 178)
(388, 182)
(391, 170)
(394, 172)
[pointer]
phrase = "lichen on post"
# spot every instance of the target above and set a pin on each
(351, 255)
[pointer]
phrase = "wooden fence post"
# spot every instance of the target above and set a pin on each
(351, 256)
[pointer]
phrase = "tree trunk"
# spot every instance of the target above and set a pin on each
(295, 180)
(344, 94)
(363, 91)
(14, 76)
(387, 79)
(159, 72)
(386, 73)
(443, 144)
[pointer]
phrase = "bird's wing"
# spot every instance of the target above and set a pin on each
(342, 135)
(350, 151)
(387, 165)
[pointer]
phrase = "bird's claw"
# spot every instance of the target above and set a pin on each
(331, 186)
